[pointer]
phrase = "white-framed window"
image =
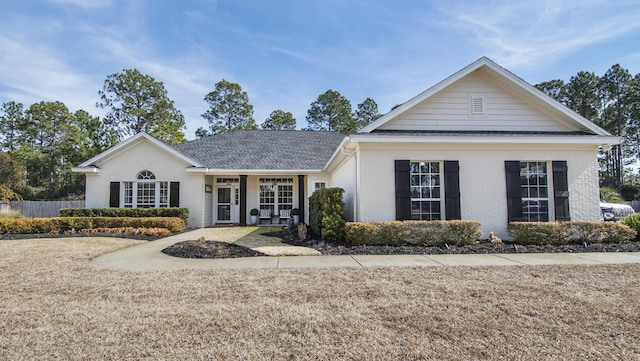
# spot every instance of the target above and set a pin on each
(427, 196)
(276, 194)
(267, 197)
(128, 194)
(534, 184)
(285, 196)
(320, 185)
(227, 180)
(145, 192)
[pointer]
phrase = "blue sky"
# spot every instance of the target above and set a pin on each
(286, 53)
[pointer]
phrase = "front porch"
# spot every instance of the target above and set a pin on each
(254, 199)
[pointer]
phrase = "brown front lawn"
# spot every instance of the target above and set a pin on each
(55, 305)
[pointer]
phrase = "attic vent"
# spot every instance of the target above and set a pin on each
(477, 105)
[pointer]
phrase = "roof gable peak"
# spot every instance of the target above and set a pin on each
(131, 141)
(495, 70)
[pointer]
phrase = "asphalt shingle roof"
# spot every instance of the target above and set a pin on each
(264, 149)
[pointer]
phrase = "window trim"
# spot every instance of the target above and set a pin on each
(275, 184)
(549, 189)
(440, 185)
(129, 191)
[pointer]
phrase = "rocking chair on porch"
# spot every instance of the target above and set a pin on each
(265, 214)
(285, 214)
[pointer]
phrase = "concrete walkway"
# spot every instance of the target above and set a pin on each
(148, 257)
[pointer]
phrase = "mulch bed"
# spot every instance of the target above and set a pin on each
(209, 249)
(214, 249)
(483, 247)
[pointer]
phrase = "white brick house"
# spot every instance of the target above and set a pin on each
(481, 145)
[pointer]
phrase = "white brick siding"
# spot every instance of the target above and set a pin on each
(482, 178)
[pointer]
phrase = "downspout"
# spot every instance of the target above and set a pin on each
(355, 181)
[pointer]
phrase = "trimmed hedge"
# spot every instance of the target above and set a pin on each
(327, 215)
(633, 221)
(130, 230)
(126, 212)
(426, 233)
(555, 233)
(65, 224)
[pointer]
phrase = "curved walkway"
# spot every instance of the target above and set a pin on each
(148, 257)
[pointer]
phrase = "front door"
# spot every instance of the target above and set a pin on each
(225, 205)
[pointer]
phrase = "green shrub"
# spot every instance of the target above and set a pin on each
(610, 195)
(173, 224)
(126, 212)
(633, 221)
(65, 224)
(538, 233)
(327, 215)
(554, 233)
(426, 233)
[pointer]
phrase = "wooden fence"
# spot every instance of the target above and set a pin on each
(43, 209)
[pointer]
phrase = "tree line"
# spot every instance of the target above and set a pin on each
(612, 101)
(39, 144)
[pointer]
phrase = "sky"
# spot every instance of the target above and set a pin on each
(285, 53)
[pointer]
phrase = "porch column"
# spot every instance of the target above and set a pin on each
(243, 200)
(301, 196)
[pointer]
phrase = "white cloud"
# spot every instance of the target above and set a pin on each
(34, 73)
(528, 32)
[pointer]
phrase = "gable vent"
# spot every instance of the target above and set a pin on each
(477, 105)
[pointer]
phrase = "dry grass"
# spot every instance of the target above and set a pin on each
(54, 305)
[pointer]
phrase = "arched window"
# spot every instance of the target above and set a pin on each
(146, 192)
(145, 174)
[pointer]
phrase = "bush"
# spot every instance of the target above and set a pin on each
(554, 233)
(610, 195)
(126, 212)
(130, 230)
(7, 194)
(630, 192)
(11, 214)
(535, 233)
(633, 221)
(65, 224)
(326, 214)
(426, 233)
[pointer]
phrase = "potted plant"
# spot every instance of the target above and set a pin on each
(296, 215)
(254, 216)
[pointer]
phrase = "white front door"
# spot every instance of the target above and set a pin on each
(226, 205)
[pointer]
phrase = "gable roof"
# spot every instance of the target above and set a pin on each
(501, 75)
(263, 149)
(91, 164)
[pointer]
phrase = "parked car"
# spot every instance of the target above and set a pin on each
(615, 211)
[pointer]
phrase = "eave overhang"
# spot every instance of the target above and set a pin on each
(479, 139)
(220, 171)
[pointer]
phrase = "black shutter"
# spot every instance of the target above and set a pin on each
(561, 191)
(174, 194)
(403, 190)
(514, 191)
(114, 194)
(452, 190)
(243, 200)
